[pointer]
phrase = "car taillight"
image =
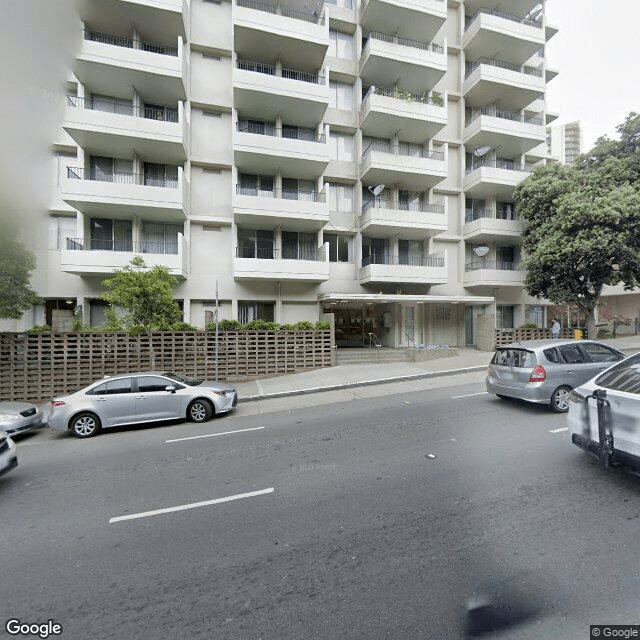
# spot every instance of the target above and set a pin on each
(538, 374)
(56, 403)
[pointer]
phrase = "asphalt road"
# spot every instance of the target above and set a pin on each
(373, 513)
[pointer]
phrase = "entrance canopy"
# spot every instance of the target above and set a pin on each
(383, 298)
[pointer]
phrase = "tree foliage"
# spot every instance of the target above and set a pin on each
(16, 265)
(580, 222)
(145, 295)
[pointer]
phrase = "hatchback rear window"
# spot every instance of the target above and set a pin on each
(519, 358)
(623, 377)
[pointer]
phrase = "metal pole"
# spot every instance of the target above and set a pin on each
(217, 323)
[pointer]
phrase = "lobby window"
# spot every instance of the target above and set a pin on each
(504, 316)
(534, 313)
(338, 247)
(249, 310)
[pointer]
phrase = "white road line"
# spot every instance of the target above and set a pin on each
(212, 435)
(194, 505)
(466, 395)
(559, 430)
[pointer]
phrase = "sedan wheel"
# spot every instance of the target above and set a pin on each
(560, 399)
(85, 425)
(199, 411)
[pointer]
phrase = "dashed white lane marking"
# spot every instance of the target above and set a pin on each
(212, 435)
(559, 430)
(193, 505)
(467, 395)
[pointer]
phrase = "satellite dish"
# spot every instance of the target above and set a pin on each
(481, 251)
(481, 151)
(377, 190)
(535, 13)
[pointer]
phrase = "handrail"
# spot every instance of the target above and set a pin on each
(271, 70)
(280, 10)
(499, 164)
(286, 253)
(144, 246)
(387, 203)
(498, 265)
(425, 97)
(285, 194)
(374, 341)
(403, 149)
(121, 177)
(502, 14)
(130, 43)
(500, 214)
(519, 68)
(166, 114)
(285, 131)
(415, 261)
(405, 42)
(504, 115)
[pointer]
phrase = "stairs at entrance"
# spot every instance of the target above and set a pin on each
(374, 355)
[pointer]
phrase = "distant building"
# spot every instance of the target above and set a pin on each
(564, 142)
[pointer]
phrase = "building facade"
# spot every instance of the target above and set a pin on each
(564, 142)
(353, 160)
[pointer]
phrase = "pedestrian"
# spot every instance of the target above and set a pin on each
(555, 329)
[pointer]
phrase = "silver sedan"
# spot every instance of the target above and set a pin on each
(19, 417)
(134, 398)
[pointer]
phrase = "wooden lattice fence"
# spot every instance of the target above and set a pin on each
(507, 336)
(39, 366)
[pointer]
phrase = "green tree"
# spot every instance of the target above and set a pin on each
(580, 223)
(16, 265)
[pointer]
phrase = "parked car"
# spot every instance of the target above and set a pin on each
(8, 456)
(139, 397)
(545, 371)
(620, 388)
(19, 417)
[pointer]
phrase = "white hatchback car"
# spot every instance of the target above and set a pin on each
(133, 398)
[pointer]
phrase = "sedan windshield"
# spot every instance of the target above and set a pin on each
(179, 377)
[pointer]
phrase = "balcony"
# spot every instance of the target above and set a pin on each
(262, 147)
(269, 208)
(104, 128)
(514, 133)
(415, 116)
(387, 59)
(269, 91)
(294, 34)
(414, 18)
(392, 269)
(406, 166)
(122, 193)
(488, 273)
(489, 30)
(522, 8)
(289, 264)
(494, 177)
(112, 64)
(86, 257)
(514, 86)
(384, 218)
(488, 225)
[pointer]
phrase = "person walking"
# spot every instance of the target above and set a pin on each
(555, 329)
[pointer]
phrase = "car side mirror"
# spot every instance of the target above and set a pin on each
(170, 388)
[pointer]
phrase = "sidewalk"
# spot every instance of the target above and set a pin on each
(357, 375)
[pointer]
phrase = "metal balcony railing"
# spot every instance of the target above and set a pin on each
(286, 253)
(519, 68)
(404, 42)
(284, 194)
(504, 115)
(128, 246)
(399, 205)
(498, 265)
(120, 177)
(425, 97)
(165, 114)
(500, 164)
(501, 14)
(500, 214)
(130, 43)
(271, 70)
(412, 261)
(270, 129)
(403, 150)
(278, 9)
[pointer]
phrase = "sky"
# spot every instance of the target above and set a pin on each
(596, 54)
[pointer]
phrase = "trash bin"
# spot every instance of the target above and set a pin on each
(577, 334)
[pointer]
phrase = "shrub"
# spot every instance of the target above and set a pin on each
(303, 325)
(323, 324)
(224, 325)
(257, 325)
(529, 325)
(183, 326)
(39, 328)
(286, 327)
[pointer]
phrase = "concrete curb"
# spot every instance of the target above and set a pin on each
(362, 383)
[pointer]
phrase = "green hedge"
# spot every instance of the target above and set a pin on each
(263, 325)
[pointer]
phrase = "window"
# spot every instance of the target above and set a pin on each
(623, 377)
(110, 105)
(534, 313)
(147, 384)
(253, 310)
(294, 189)
(62, 230)
(341, 147)
(160, 175)
(504, 316)
(338, 247)
(340, 197)
(160, 237)
(110, 235)
(297, 245)
(411, 252)
(375, 251)
(570, 354)
(519, 358)
(254, 185)
(119, 386)
(106, 169)
(254, 243)
(341, 45)
(341, 96)
(600, 352)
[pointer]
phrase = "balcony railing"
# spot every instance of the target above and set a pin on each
(500, 164)
(286, 253)
(425, 97)
(499, 265)
(120, 177)
(412, 261)
(166, 114)
(284, 194)
(519, 68)
(403, 150)
(399, 205)
(500, 214)
(271, 70)
(404, 42)
(130, 43)
(270, 129)
(504, 115)
(501, 14)
(278, 9)
(128, 246)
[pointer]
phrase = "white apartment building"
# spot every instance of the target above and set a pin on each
(356, 159)
(564, 142)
